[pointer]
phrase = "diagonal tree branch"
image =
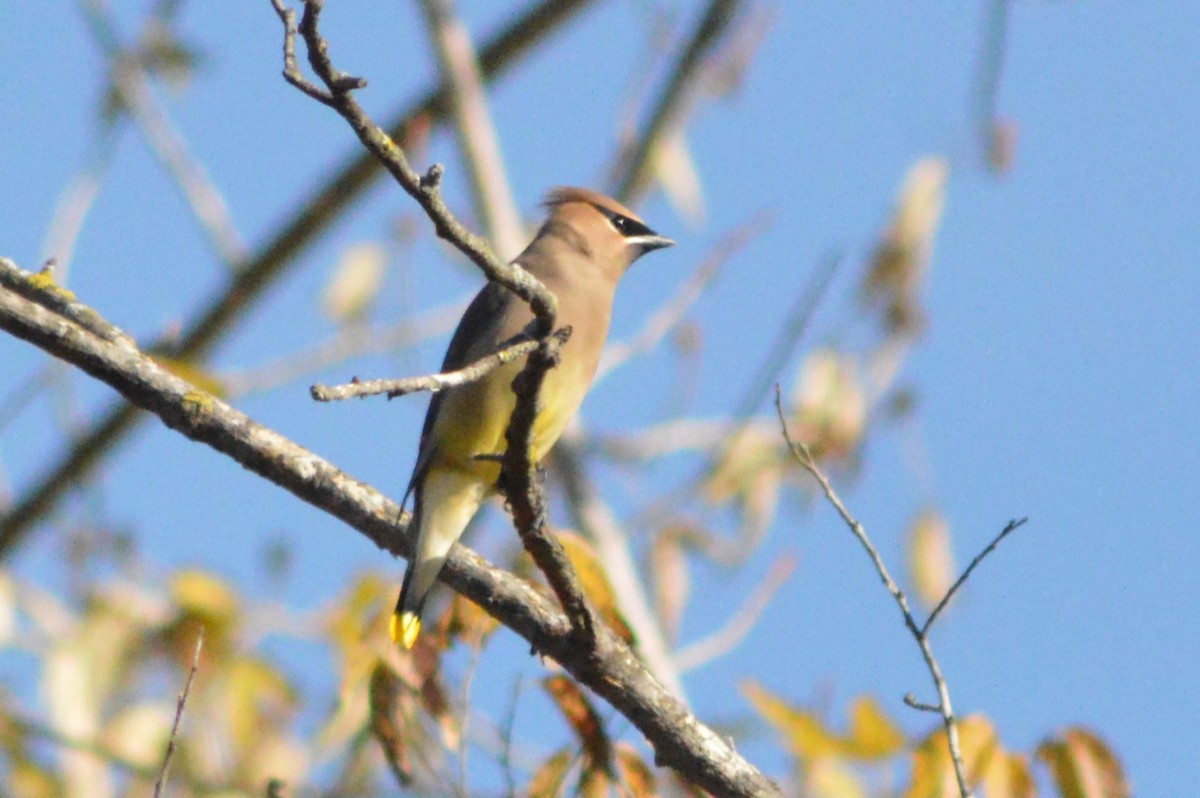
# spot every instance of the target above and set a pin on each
(611, 670)
(672, 105)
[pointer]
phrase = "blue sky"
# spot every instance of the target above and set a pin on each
(1057, 379)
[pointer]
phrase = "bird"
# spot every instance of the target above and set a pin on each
(579, 253)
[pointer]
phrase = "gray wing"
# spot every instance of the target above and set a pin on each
(477, 334)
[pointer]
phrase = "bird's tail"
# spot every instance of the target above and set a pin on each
(445, 502)
(406, 623)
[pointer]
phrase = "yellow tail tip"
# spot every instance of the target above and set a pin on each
(405, 627)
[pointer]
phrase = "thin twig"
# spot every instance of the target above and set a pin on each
(179, 705)
(804, 456)
(433, 383)
(425, 189)
(911, 700)
(1009, 527)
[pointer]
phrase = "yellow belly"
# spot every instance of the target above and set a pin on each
(473, 418)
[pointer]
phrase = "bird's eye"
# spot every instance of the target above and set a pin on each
(627, 227)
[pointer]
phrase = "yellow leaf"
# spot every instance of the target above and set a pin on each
(25, 779)
(582, 716)
(354, 283)
(899, 263)
(257, 699)
(635, 774)
(830, 778)
(547, 781)
(930, 559)
(1009, 777)
(1083, 765)
(933, 769)
(802, 732)
(139, 733)
(873, 735)
(677, 174)
(203, 601)
(203, 593)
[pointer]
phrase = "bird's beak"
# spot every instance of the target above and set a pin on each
(649, 243)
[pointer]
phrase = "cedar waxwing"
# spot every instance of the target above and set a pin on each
(579, 254)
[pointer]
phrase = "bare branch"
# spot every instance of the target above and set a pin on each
(1009, 527)
(346, 343)
(431, 382)
(426, 188)
(610, 669)
(805, 458)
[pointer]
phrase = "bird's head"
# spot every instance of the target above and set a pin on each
(600, 228)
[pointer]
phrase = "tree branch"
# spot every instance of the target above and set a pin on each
(1011, 526)
(334, 195)
(679, 739)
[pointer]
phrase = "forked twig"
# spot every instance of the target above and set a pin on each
(804, 456)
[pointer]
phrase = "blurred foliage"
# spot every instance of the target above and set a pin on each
(109, 673)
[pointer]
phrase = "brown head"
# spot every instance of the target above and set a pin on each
(598, 229)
